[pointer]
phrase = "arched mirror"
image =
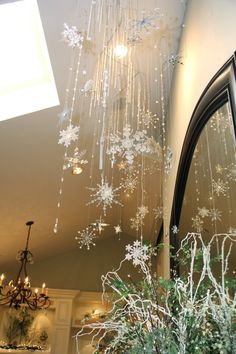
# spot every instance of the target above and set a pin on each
(205, 191)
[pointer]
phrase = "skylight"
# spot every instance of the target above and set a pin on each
(26, 78)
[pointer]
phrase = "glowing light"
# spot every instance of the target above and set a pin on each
(25, 68)
(120, 51)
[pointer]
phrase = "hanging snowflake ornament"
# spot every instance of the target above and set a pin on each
(175, 59)
(203, 212)
(215, 214)
(219, 187)
(118, 229)
(137, 253)
(159, 212)
(129, 145)
(197, 223)
(99, 225)
(105, 195)
(138, 221)
(68, 135)
(76, 161)
(175, 229)
(72, 36)
(168, 160)
(147, 118)
(146, 24)
(129, 183)
(86, 238)
(219, 169)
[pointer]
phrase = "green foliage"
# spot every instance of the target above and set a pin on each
(194, 313)
(18, 326)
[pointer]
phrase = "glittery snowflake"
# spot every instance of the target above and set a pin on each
(203, 212)
(146, 24)
(76, 160)
(219, 169)
(72, 36)
(197, 223)
(129, 145)
(86, 238)
(231, 172)
(104, 195)
(138, 221)
(219, 187)
(168, 160)
(118, 229)
(215, 214)
(175, 59)
(129, 183)
(148, 118)
(137, 253)
(68, 135)
(175, 229)
(99, 225)
(158, 212)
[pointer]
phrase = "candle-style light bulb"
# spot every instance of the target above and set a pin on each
(1, 279)
(43, 288)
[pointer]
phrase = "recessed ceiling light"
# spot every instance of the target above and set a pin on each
(120, 51)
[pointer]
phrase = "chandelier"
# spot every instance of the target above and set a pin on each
(18, 292)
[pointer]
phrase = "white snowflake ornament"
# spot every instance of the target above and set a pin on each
(129, 145)
(68, 135)
(86, 238)
(137, 253)
(219, 187)
(118, 229)
(175, 229)
(72, 36)
(104, 195)
(203, 212)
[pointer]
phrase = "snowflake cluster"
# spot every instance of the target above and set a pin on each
(197, 221)
(68, 135)
(76, 160)
(72, 36)
(138, 221)
(104, 195)
(137, 253)
(86, 238)
(129, 145)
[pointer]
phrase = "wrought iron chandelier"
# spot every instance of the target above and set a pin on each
(18, 292)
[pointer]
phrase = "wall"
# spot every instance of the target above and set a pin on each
(208, 40)
(80, 269)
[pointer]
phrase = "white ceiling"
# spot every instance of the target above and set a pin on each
(31, 159)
